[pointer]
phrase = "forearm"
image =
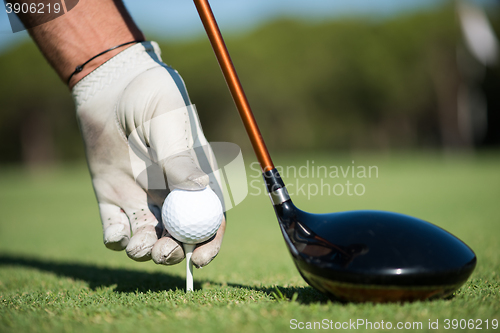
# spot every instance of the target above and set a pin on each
(91, 27)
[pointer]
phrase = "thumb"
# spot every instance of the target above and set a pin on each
(183, 172)
(156, 107)
(171, 142)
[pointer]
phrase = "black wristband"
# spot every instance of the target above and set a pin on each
(79, 68)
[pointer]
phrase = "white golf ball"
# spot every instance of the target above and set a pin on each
(192, 217)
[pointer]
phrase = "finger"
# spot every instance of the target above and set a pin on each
(146, 230)
(167, 251)
(116, 227)
(206, 252)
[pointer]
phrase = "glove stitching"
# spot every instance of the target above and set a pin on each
(186, 128)
(196, 165)
(118, 125)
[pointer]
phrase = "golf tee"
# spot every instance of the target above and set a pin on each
(188, 249)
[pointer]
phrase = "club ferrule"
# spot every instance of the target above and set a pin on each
(279, 196)
(275, 187)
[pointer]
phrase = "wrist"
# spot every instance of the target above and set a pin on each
(93, 26)
(95, 61)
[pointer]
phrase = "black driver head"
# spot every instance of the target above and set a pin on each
(371, 256)
(374, 255)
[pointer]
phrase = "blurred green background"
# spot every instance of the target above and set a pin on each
(338, 85)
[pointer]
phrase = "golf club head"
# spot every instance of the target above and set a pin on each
(372, 256)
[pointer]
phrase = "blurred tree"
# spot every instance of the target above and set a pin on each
(37, 122)
(353, 83)
(346, 84)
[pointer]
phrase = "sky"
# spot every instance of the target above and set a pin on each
(178, 19)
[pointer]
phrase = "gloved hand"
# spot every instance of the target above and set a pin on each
(140, 129)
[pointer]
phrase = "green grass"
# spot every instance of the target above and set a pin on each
(56, 276)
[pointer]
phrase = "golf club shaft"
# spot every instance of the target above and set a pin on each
(233, 82)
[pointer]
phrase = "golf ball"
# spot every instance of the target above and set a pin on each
(192, 217)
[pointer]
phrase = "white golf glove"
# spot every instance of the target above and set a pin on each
(140, 129)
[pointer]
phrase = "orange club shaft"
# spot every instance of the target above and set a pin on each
(234, 84)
